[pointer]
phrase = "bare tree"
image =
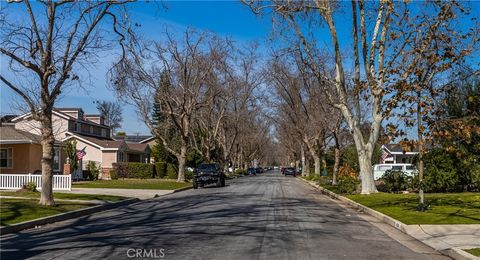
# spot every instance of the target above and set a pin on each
(190, 66)
(47, 46)
(302, 107)
(111, 112)
(376, 49)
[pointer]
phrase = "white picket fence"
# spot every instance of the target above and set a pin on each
(16, 181)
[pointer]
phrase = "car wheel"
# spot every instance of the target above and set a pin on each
(219, 182)
(195, 184)
(223, 182)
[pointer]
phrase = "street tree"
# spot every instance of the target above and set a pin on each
(111, 112)
(189, 64)
(376, 49)
(47, 46)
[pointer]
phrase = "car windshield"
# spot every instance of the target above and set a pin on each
(207, 167)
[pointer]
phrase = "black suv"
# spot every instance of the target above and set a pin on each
(208, 173)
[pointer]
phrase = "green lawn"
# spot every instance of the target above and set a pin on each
(473, 251)
(67, 196)
(18, 210)
(445, 208)
(150, 184)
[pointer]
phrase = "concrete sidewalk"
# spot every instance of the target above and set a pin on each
(131, 193)
(445, 237)
(448, 239)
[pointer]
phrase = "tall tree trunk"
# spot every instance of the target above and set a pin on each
(366, 172)
(208, 155)
(317, 162)
(305, 166)
(421, 207)
(336, 166)
(181, 162)
(48, 140)
(365, 152)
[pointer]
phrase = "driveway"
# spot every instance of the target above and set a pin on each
(268, 216)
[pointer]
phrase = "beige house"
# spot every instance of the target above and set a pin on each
(20, 143)
(21, 152)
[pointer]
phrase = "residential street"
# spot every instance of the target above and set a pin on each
(268, 216)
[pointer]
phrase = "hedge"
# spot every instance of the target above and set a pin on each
(172, 172)
(126, 170)
(160, 169)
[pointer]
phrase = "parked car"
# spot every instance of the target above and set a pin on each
(380, 169)
(259, 170)
(251, 171)
(290, 171)
(208, 173)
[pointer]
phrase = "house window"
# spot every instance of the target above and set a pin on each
(6, 158)
(104, 132)
(121, 157)
(56, 159)
(91, 129)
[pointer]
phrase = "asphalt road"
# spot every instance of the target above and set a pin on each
(268, 216)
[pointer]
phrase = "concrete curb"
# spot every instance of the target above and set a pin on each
(63, 216)
(182, 189)
(459, 254)
(454, 253)
(380, 216)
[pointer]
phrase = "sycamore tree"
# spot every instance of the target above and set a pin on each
(361, 95)
(47, 46)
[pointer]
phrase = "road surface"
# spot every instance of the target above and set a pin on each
(268, 216)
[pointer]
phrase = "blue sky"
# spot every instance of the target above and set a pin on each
(227, 18)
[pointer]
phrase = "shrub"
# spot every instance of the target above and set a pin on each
(475, 177)
(172, 172)
(30, 186)
(347, 185)
(440, 172)
(134, 170)
(161, 169)
(240, 172)
(94, 170)
(394, 181)
(140, 170)
(113, 175)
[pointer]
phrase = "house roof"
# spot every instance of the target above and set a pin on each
(69, 109)
(101, 143)
(133, 138)
(105, 143)
(138, 147)
(110, 144)
(399, 149)
(7, 118)
(58, 112)
(10, 135)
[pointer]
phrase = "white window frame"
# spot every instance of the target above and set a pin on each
(9, 158)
